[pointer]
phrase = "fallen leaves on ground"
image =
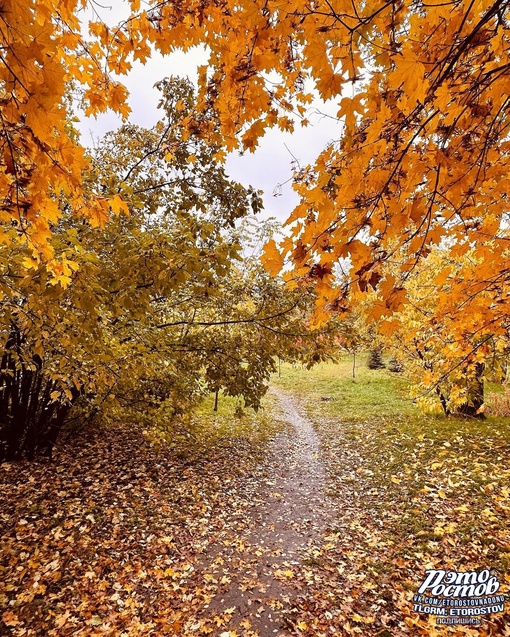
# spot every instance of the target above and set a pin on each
(108, 539)
(216, 538)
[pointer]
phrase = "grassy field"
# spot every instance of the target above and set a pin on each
(400, 448)
(414, 491)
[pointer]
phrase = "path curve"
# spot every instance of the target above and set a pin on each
(288, 515)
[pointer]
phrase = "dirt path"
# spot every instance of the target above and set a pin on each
(287, 516)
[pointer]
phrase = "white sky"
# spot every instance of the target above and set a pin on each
(265, 169)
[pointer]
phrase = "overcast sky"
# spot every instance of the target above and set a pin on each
(265, 169)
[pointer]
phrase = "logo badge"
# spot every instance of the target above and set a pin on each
(457, 597)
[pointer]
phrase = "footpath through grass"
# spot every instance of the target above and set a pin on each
(414, 492)
(120, 537)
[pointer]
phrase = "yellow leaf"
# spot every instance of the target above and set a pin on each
(329, 84)
(252, 135)
(117, 205)
(272, 258)
(409, 75)
(30, 263)
(98, 213)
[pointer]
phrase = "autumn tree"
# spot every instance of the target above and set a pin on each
(43, 163)
(447, 369)
(352, 335)
(158, 306)
(101, 334)
(421, 161)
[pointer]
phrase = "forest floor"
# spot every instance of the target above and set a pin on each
(317, 516)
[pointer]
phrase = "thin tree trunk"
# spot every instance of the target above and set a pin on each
(475, 395)
(443, 401)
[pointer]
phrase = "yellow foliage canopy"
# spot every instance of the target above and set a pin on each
(423, 160)
(42, 53)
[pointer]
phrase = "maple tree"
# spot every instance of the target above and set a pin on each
(43, 163)
(156, 307)
(422, 159)
(140, 316)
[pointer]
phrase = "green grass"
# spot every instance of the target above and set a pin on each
(413, 471)
(375, 396)
(372, 393)
(232, 422)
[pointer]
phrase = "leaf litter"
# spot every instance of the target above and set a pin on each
(315, 530)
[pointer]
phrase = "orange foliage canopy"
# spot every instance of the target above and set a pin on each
(423, 88)
(42, 53)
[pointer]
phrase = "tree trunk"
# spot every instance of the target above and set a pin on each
(29, 420)
(475, 395)
(443, 401)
